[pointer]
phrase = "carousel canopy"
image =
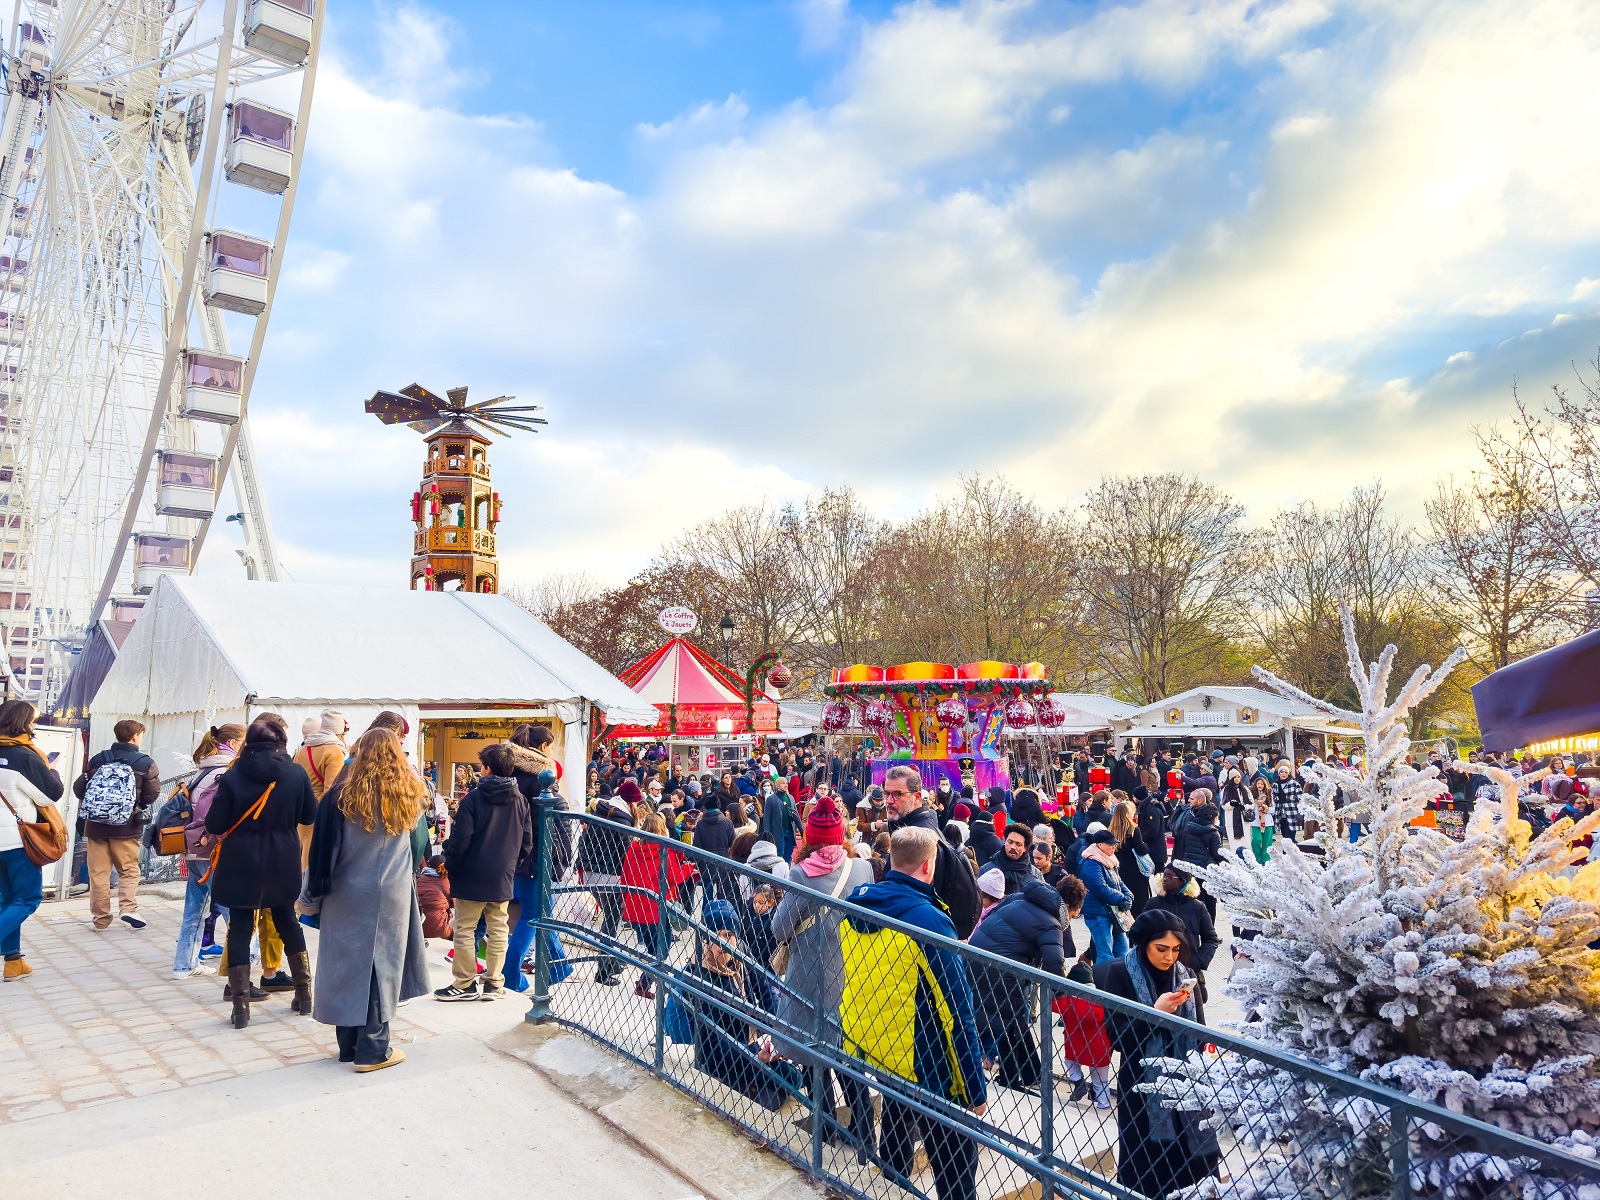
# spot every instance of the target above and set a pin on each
(692, 692)
(1545, 697)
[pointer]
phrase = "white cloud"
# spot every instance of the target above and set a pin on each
(879, 288)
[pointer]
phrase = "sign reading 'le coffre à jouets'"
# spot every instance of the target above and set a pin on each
(677, 620)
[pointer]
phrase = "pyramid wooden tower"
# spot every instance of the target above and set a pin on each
(456, 511)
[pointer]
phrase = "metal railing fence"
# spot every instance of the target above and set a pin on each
(702, 1008)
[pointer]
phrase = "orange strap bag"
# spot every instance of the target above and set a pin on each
(253, 812)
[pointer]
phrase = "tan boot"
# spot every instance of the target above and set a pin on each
(239, 989)
(17, 968)
(300, 968)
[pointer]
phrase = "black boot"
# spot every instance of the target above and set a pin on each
(239, 986)
(1080, 1089)
(255, 992)
(300, 967)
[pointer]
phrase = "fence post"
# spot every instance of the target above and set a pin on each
(1047, 1092)
(1400, 1151)
(661, 941)
(544, 828)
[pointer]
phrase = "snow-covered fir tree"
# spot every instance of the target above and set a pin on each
(1457, 972)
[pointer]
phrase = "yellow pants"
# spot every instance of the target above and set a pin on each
(271, 946)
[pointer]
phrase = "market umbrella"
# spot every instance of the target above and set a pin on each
(1549, 695)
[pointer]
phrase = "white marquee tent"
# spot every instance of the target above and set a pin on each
(206, 651)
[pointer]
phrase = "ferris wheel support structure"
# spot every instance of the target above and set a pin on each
(178, 324)
(254, 508)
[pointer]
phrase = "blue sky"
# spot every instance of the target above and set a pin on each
(749, 250)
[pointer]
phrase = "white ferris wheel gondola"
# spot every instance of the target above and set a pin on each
(123, 408)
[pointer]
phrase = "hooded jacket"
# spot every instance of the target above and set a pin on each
(604, 841)
(492, 833)
(527, 766)
(930, 1036)
(715, 833)
(985, 845)
(1026, 928)
(1198, 842)
(259, 863)
(954, 882)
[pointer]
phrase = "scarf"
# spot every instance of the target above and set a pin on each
(1159, 1043)
(323, 738)
(823, 861)
(1102, 854)
(25, 740)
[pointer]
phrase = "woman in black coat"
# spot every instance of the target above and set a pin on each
(1174, 894)
(1026, 928)
(258, 864)
(1161, 1149)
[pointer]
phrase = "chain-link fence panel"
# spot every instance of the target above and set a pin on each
(828, 1018)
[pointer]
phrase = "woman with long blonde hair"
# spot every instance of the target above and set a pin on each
(361, 885)
(1130, 849)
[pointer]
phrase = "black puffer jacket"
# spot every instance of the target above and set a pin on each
(603, 843)
(1197, 842)
(492, 833)
(30, 764)
(714, 833)
(1026, 928)
(985, 845)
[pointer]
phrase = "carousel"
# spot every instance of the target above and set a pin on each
(946, 721)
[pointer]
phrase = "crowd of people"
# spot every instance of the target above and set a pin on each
(344, 835)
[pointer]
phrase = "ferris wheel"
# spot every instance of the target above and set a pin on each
(132, 130)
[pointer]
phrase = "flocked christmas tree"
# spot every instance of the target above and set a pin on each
(1456, 971)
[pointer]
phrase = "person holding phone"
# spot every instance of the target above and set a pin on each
(1162, 1149)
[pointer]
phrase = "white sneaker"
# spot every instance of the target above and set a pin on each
(190, 973)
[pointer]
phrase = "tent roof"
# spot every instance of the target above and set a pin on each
(1250, 697)
(204, 645)
(1549, 695)
(681, 673)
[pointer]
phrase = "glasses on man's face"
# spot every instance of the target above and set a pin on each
(891, 795)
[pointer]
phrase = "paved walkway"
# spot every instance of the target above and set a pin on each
(117, 1079)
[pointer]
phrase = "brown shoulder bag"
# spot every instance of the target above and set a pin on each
(42, 841)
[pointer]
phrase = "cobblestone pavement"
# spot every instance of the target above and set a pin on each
(102, 1019)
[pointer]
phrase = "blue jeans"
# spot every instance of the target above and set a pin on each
(521, 934)
(21, 892)
(1109, 940)
(196, 899)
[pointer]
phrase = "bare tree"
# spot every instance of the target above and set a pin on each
(1310, 559)
(1564, 440)
(836, 547)
(1494, 562)
(1166, 579)
(985, 574)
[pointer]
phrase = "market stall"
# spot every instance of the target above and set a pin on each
(462, 668)
(1548, 703)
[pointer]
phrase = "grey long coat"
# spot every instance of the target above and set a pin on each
(370, 923)
(816, 963)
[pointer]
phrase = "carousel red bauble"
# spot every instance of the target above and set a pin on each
(951, 713)
(835, 716)
(780, 676)
(1050, 713)
(1019, 712)
(878, 714)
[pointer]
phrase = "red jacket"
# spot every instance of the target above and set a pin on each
(1083, 1031)
(641, 868)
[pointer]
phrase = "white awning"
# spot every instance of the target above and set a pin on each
(1263, 731)
(207, 645)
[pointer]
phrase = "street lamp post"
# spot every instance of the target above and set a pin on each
(725, 628)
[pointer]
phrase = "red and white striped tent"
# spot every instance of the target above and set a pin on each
(693, 691)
